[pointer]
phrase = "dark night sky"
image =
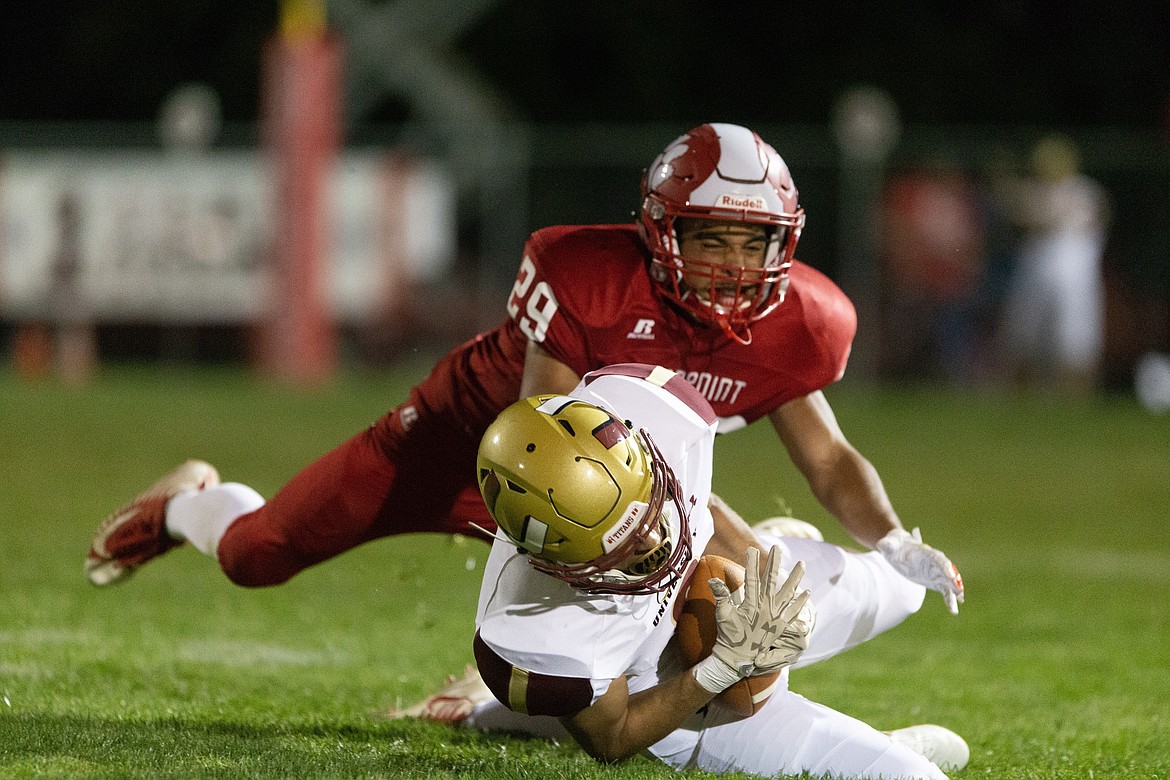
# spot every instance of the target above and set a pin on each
(997, 62)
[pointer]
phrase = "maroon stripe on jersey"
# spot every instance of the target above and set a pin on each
(529, 692)
(676, 386)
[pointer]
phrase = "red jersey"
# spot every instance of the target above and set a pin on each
(583, 293)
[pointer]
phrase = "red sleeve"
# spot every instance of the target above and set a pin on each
(531, 693)
(813, 330)
(831, 321)
(538, 302)
(578, 292)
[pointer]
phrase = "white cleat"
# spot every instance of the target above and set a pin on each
(788, 526)
(454, 703)
(136, 533)
(946, 749)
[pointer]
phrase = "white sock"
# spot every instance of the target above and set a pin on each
(202, 516)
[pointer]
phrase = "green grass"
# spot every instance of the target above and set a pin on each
(1057, 666)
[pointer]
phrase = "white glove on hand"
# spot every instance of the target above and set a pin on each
(923, 564)
(765, 632)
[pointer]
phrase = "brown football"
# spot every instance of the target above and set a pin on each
(694, 633)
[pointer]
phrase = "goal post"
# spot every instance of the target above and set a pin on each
(301, 132)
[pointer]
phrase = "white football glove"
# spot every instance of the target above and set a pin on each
(923, 564)
(764, 632)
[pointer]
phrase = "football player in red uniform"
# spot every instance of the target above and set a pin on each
(705, 283)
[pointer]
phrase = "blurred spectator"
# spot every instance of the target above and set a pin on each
(1001, 234)
(62, 344)
(190, 119)
(1052, 333)
(76, 347)
(932, 258)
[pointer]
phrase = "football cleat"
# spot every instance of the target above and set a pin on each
(454, 703)
(136, 533)
(788, 526)
(943, 747)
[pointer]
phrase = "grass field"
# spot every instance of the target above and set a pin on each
(1057, 667)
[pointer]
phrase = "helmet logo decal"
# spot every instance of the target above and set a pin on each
(630, 521)
(665, 169)
(663, 172)
(750, 202)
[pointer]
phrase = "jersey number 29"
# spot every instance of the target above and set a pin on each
(537, 300)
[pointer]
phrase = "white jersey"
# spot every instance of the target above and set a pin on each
(546, 648)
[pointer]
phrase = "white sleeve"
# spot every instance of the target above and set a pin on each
(678, 419)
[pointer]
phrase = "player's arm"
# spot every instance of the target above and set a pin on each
(610, 727)
(543, 373)
(620, 725)
(732, 533)
(839, 476)
(849, 486)
(764, 631)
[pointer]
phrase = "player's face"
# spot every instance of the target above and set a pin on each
(710, 242)
(720, 242)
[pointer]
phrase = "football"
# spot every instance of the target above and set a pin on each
(694, 633)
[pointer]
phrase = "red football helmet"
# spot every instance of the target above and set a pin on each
(723, 172)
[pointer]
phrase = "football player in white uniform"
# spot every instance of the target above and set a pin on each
(602, 502)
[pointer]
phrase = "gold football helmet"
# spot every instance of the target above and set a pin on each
(584, 496)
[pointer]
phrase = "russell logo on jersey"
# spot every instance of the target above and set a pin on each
(643, 330)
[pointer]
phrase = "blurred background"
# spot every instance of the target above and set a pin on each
(306, 189)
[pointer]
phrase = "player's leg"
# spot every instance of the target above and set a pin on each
(201, 517)
(327, 508)
(390, 479)
(857, 595)
(791, 735)
(495, 717)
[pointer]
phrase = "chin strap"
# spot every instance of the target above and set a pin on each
(746, 339)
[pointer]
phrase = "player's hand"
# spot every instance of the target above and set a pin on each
(766, 631)
(923, 564)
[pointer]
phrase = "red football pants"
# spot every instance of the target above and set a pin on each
(386, 480)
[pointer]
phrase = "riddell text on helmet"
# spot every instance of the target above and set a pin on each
(754, 203)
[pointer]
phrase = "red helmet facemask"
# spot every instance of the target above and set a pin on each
(721, 172)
